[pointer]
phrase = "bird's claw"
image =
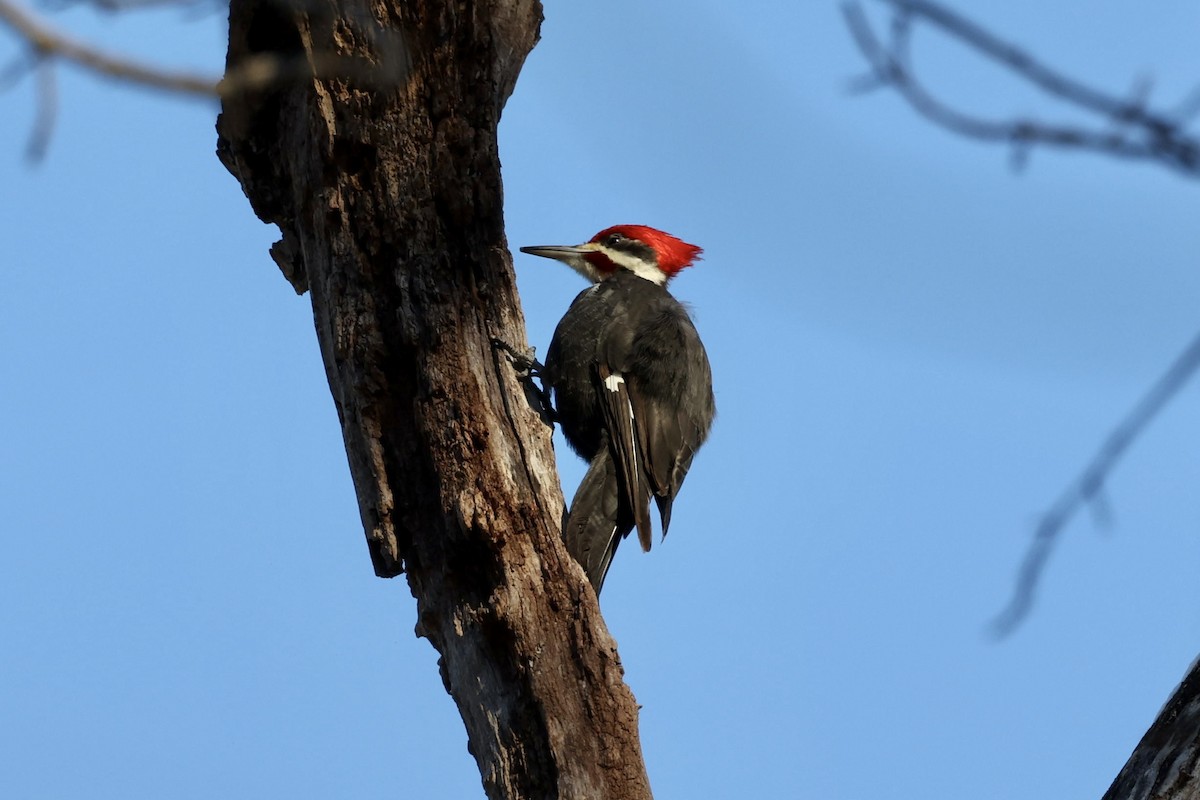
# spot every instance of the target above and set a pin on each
(528, 367)
(525, 361)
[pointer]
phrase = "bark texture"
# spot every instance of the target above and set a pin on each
(1166, 763)
(385, 184)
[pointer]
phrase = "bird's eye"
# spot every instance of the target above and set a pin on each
(614, 239)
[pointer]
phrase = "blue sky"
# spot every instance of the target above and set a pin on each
(914, 350)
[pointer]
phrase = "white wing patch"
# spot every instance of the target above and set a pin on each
(614, 383)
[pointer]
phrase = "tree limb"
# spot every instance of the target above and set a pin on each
(45, 45)
(44, 42)
(367, 132)
(1165, 765)
(390, 208)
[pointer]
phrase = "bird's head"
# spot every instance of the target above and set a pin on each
(644, 251)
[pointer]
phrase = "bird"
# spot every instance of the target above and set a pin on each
(631, 385)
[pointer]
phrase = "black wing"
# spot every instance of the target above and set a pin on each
(670, 386)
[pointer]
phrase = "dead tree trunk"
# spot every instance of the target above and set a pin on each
(385, 183)
(1166, 763)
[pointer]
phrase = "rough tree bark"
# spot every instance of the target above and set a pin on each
(388, 196)
(1166, 763)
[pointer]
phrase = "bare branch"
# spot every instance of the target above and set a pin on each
(1126, 128)
(252, 73)
(49, 43)
(1139, 132)
(1088, 488)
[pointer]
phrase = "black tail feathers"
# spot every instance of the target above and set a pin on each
(597, 523)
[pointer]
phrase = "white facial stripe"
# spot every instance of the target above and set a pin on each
(632, 263)
(648, 272)
(613, 382)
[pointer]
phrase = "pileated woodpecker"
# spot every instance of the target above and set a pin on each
(632, 387)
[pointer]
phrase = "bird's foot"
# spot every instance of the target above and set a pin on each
(528, 367)
(525, 361)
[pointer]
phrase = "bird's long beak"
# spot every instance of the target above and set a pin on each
(560, 252)
(571, 255)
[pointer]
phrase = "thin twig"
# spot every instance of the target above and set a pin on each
(1021, 62)
(47, 111)
(1089, 486)
(46, 41)
(1139, 132)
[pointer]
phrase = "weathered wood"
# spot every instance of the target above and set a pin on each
(387, 193)
(1166, 763)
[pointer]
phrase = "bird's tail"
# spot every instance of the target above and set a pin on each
(596, 523)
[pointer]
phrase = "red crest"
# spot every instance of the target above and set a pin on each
(673, 253)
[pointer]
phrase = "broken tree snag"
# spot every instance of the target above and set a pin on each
(1166, 763)
(385, 184)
